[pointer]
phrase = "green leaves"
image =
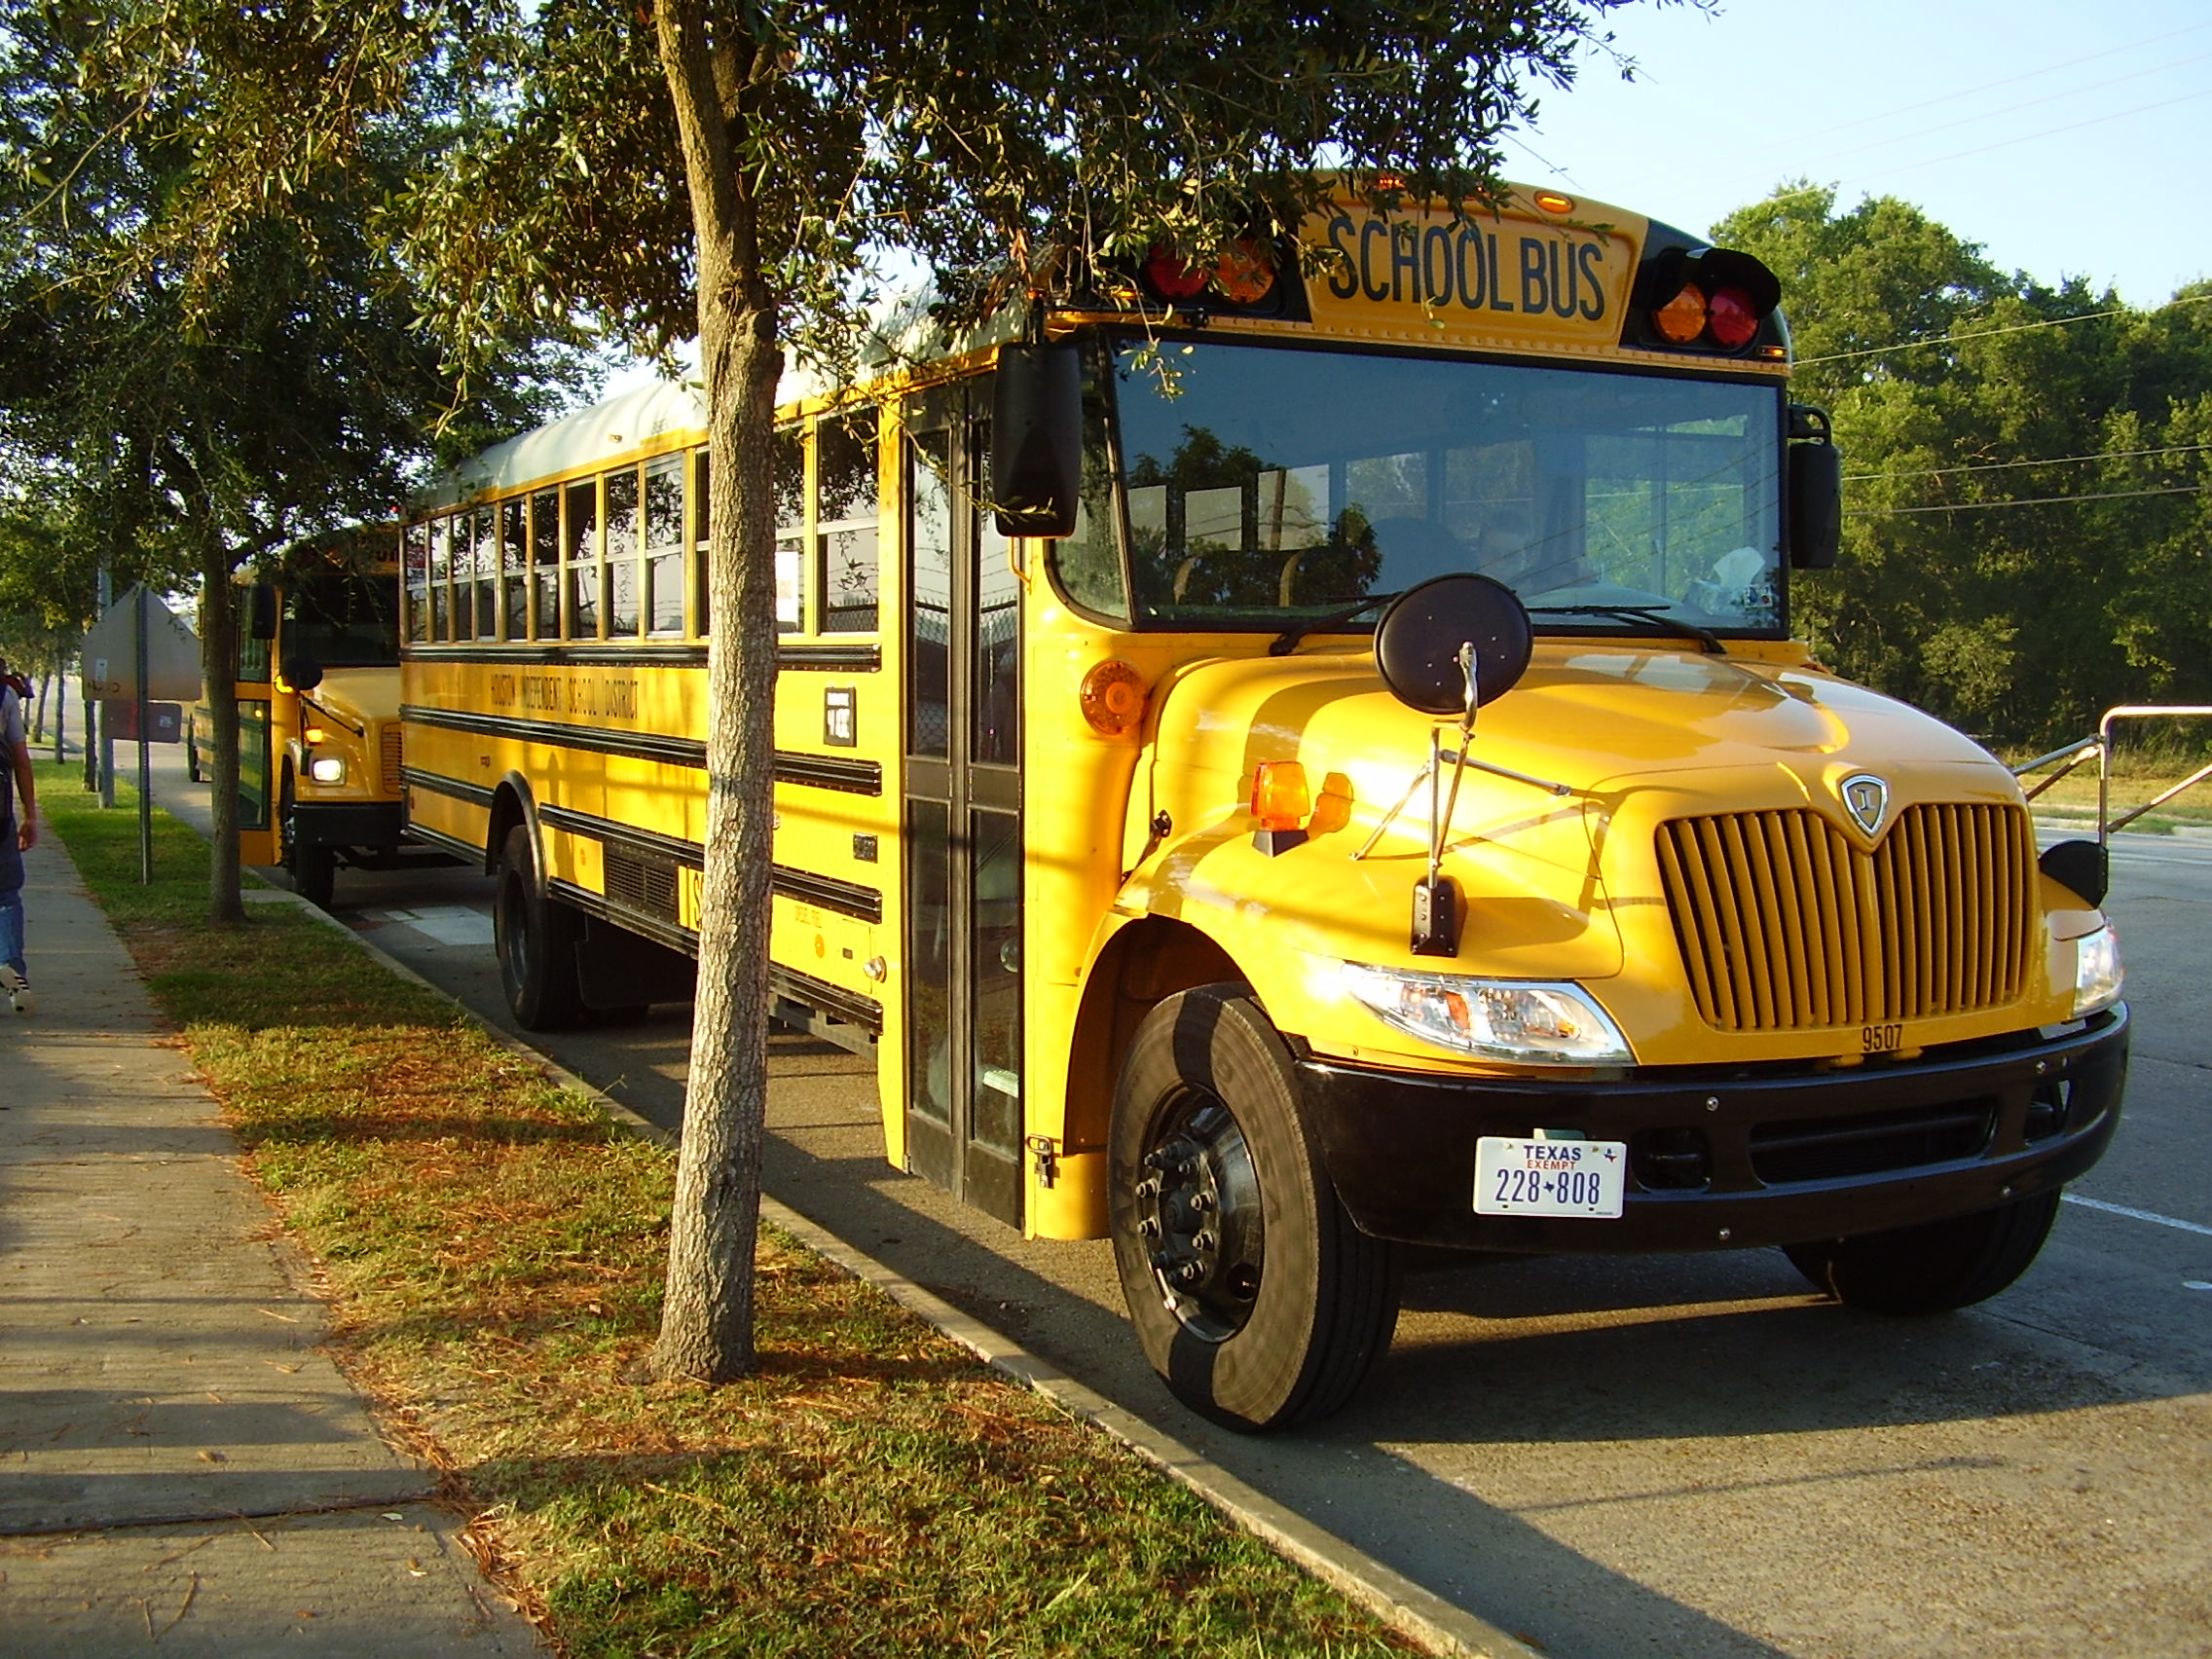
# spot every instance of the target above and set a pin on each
(2012, 558)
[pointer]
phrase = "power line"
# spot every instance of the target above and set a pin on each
(2070, 64)
(1982, 333)
(2037, 502)
(2010, 109)
(2051, 460)
(2046, 133)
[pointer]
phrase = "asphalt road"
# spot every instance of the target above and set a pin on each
(1689, 1457)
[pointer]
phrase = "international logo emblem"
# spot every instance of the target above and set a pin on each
(1866, 798)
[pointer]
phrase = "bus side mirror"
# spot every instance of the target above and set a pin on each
(260, 612)
(1037, 440)
(1815, 491)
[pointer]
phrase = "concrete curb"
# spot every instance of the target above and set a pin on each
(1420, 1614)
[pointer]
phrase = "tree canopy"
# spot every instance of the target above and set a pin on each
(2028, 537)
(208, 352)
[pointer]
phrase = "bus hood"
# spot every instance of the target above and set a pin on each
(1608, 740)
(359, 696)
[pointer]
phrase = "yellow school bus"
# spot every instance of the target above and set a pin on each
(1293, 762)
(318, 713)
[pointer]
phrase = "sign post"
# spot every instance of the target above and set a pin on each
(136, 651)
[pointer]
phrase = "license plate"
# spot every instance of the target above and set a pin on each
(1550, 1177)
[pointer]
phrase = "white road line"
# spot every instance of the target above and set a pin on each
(2134, 1214)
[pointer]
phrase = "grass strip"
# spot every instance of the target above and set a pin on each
(492, 1248)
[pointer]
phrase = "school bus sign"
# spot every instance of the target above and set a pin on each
(1508, 279)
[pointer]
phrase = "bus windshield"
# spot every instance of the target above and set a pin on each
(343, 618)
(1255, 486)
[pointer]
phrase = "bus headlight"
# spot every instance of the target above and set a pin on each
(1522, 1020)
(327, 768)
(2096, 972)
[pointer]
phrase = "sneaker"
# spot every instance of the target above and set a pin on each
(18, 987)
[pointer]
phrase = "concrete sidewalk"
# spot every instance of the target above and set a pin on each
(182, 1471)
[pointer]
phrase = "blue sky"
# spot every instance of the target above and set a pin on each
(2066, 138)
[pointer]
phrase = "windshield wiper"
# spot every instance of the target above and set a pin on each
(1286, 641)
(1707, 639)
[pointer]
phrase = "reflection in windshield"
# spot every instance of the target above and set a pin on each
(1264, 484)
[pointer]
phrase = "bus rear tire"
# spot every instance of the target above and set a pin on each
(1256, 1299)
(1932, 1268)
(536, 939)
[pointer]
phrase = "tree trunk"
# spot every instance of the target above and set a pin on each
(218, 668)
(706, 1328)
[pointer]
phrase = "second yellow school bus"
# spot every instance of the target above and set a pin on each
(1385, 808)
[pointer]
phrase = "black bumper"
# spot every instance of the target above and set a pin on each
(1720, 1158)
(348, 823)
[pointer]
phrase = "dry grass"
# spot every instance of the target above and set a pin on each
(492, 1247)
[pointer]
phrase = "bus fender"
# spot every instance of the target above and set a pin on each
(512, 803)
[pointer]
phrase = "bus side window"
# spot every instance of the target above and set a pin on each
(441, 578)
(514, 568)
(546, 565)
(702, 525)
(847, 508)
(487, 572)
(580, 544)
(789, 478)
(664, 545)
(415, 564)
(622, 542)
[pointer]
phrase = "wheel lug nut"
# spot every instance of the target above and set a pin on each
(1163, 1260)
(1201, 1201)
(1188, 1275)
(1205, 1241)
(1149, 1228)
(1149, 1187)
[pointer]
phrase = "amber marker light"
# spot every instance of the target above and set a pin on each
(314, 734)
(1281, 799)
(1242, 275)
(1682, 320)
(1552, 202)
(1113, 699)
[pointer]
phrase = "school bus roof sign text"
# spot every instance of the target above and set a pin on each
(1488, 280)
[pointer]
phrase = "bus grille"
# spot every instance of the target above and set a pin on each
(1785, 922)
(391, 757)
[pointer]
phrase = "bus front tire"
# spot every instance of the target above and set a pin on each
(314, 871)
(536, 940)
(1256, 1299)
(1936, 1266)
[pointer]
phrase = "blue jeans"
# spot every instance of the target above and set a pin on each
(11, 898)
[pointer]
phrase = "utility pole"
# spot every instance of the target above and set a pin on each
(107, 740)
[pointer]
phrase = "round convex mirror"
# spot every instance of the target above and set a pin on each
(1418, 642)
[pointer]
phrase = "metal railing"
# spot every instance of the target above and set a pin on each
(2099, 749)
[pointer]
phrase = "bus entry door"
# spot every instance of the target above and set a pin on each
(256, 624)
(962, 812)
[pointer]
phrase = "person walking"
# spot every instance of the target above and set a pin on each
(18, 835)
